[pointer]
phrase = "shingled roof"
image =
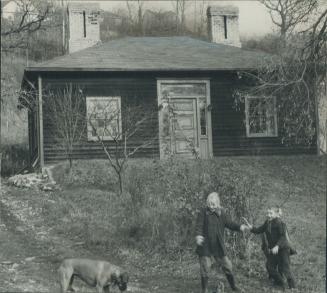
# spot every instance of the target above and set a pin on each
(155, 54)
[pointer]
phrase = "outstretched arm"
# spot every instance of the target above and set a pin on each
(260, 229)
(230, 224)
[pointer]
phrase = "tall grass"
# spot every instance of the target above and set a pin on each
(156, 213)
(158, 209)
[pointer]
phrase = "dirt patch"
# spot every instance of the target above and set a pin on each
(31, 252)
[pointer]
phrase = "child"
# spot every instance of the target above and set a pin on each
(279, 248)
(210, 226)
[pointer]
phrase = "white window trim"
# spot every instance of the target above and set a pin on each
(204, 80)
(248, 134)
(89, 128)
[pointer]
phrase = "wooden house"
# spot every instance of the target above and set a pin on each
(198, 78)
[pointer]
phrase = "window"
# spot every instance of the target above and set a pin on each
(203, 116)
(104, 118)
(261, 117)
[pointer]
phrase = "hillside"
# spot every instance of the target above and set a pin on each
(13, 121)
(139, 230)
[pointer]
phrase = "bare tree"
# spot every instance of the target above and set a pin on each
(116, 131)
(15, 32)
(136, 15)
(65, 110)
(180, 7)
(201, 25)
(287, 14)
(295, 77)
(27, 20)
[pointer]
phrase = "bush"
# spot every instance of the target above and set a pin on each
(92, 173)
(158, 209)
(167, 195)
(14, 158)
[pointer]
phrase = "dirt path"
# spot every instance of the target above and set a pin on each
(23, 266)
(30, 253)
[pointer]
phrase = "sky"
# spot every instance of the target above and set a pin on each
(254, 20)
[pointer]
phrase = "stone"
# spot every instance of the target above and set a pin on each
(30, 258)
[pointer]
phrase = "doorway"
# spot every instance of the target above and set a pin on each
(184, 118)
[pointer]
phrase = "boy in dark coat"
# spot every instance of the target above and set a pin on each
(279, 248)
(210, 226)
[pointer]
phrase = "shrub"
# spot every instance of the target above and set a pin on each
(167, 195)
(158, 210)
(91, 173)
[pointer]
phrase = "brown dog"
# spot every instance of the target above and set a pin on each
(95, 273)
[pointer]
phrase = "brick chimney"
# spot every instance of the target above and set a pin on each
(223, 25)
(83, 24)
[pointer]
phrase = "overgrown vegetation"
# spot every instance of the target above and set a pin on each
(156, 214)
(295, 77)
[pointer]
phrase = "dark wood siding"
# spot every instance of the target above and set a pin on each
(133, 90)
(228, 127)
(32, 135)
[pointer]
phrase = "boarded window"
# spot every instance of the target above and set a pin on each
(203, 116)
(104, 118)
(261, 117)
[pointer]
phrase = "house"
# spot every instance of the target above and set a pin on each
(11, 9)
(196, 78)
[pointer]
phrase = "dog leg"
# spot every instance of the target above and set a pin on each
(100, 288)
(70, 286)
(64, 278)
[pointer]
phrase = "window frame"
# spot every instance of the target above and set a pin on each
(266, 134)
(90, 137)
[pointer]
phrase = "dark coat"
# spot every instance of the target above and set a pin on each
(275, 232)
(211, 225)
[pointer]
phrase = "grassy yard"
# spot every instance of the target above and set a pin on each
(141, 229)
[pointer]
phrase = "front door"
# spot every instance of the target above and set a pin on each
(184, 119)
(184, 127)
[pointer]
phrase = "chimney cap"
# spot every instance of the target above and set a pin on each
(84, 6)
(222, 10)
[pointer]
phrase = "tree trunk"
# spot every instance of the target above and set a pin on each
(0, 169)
(120, 179)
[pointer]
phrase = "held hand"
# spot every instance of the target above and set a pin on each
(248, 225)
(199, 240)
(275, 249)
(245, 227)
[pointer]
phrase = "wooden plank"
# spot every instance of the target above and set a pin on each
(40, 112)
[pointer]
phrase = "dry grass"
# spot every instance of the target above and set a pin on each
(109, 226)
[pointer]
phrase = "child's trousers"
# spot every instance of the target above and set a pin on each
(279, 265)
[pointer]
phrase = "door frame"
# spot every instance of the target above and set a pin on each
(205, 81)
